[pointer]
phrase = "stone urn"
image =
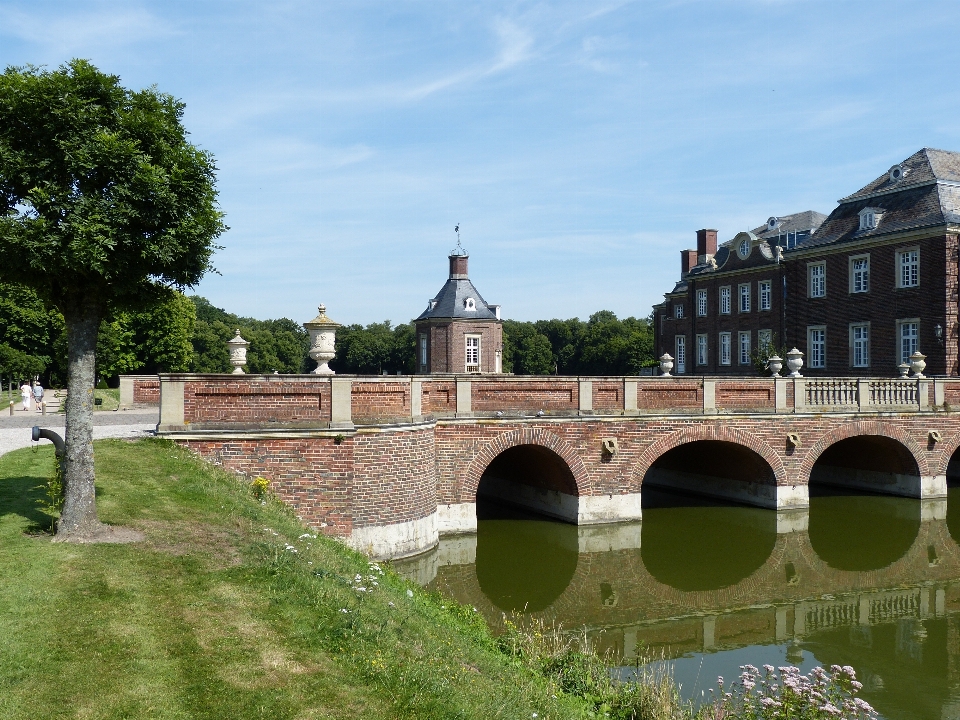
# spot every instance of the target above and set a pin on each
(666, 364)
(904, 369)
(775, 365)
(238, 353)
(323, 334)
(918, 364)
(794, 363)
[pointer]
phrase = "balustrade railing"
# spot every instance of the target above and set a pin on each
(832, 393)
(893, 392)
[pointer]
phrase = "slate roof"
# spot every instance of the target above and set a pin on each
(927, 196)
(450, 303)
(806, 220)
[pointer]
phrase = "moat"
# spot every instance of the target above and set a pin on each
(864, 580)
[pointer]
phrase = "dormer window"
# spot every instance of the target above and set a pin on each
(469, 304)
(896, 173)
(773, 223)
(744, 250)
(870, 218)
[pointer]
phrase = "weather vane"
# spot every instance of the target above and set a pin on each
(459, 249)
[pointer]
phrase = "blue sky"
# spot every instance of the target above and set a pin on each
(579, 145)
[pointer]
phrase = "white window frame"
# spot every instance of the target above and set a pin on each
(680, 345)
(859, 278)
(764, 339)
(724, 348)
(860, 345)
(765, 292)
(423, 350)
(744, 297)
(743, 344)
(909, 267)
(702, 303)
(817, 356)
(907, 345)
(468, 351)
(817, 282)
(678, 311)
(725, 300)
(703, 350)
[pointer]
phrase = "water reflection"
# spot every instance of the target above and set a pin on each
(855, 531)
(874, 583)
(692, 543)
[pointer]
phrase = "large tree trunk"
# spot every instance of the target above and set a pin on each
(79, 517)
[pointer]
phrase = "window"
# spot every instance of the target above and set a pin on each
(469, 304)
(724, 348)
(860, 274)
(423, 350)
(473, 353)
(764, 340)
(725, 300)
(681, 345)
(745, 348)
(702, 303)
(678, 311)
(817, 347)
(860, 345)
(909, 330)
(817, 280)
(908, 262)
(701, 349)
(745, 298)
(766, 297)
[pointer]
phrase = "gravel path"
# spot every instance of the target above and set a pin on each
(15, 431)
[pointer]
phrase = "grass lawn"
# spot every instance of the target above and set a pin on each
(226, 611)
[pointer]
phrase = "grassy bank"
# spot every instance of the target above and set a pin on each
(230, 610)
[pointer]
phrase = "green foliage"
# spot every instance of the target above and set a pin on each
(375, 349)
(17, 364)
(763, 353)
(275, 345)
(604, 345)
(102, 199)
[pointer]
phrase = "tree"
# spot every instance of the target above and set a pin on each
(106, 206)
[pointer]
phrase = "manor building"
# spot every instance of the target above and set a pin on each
(857, 291)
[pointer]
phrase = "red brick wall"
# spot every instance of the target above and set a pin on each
(256, 401)
(670, 395)
(607, 396)
(146, 391)
(731, 395)
(438, 397)
(380, 401)
(507, 395)
(395, 477)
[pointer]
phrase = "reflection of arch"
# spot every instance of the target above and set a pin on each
(861, 428)
(524, 436)
(694, 433)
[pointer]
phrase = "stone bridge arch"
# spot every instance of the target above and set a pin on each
(947, 449)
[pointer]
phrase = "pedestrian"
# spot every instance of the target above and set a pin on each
(38, 395)
(25, 394)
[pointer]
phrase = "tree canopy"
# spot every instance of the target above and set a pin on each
(104, 206)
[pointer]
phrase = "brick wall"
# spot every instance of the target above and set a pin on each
(510, 395)
(394, 478)
(438, 397)
(380, 401)
(745, 395)
(146, 391)
(607, 395)
(670, 395)
(252, 400)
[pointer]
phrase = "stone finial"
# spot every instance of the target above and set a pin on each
(238, 353)
(323, 333)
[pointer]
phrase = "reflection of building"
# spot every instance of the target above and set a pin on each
(874, 282)
(459, 332)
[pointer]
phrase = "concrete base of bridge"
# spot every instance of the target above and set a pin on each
(913, 486)
(774, 497)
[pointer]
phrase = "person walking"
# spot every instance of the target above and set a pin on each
(25, 394)
(38, 396)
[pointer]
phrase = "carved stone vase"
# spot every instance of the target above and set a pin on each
(666, 364)
(794, 363)
(238, 353)
(323, 334)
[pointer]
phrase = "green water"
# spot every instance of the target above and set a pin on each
(861, 580)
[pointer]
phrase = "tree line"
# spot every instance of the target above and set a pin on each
(189, 334)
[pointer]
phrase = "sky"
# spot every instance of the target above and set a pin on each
(578, 145)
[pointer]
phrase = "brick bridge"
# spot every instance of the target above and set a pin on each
(391, 463)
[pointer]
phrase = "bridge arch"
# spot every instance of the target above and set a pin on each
(864, 428)
(536, 451)
(695, 433)
(948, 449)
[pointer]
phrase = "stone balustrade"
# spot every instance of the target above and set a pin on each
(345, 402)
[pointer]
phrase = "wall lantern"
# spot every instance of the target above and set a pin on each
(938, 331)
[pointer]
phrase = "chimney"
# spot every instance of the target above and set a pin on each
(706, 245)
(688, 259)
(458, 266)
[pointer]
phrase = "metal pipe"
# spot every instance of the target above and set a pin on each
(39, 432)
